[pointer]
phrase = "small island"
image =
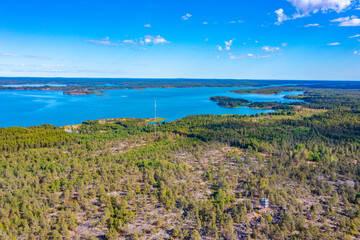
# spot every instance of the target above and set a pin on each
(80, 92)
(229, 102)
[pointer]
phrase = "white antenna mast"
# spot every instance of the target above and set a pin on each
(155, 119)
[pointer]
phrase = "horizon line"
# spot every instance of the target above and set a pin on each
(180, 78)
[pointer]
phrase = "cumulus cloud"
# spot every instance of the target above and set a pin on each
(205, 23)
(308, 7)
(313, 6)
(357, 52)
(312, 25)
(281, 16)
(147, 25)
(270, 49)
(155, 39)
(227, 46)
(333, 44)
(352, 21)
(186, 16)
(104, 42)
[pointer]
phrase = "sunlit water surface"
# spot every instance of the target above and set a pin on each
(28, 108)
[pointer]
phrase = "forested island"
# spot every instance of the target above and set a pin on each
(200, 177)
(229, 102)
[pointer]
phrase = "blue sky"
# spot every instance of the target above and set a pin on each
(257, 39)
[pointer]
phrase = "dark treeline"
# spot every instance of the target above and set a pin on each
(271, 105)
(92, 85)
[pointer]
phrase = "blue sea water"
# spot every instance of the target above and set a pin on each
(28, 108)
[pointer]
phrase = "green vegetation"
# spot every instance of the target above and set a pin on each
(269, 90)
(330, 98)
(230, 102)
(271, 105)
(86, 86)
(200, 177)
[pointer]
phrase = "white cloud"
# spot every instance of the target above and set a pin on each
(137, 42)
(284, 44)
(281, 16)
(355, 36)
(155, 39)
(238, 21)
(249, 55)
(205, 23)
(357, 52)
(104, 42)
(270, 49)
(307, 7)
(333, 44)
(129, 41)
(186, 16)
(147, 25)
(312, 25)
(313, 6)
(227, 45)
(352, 21)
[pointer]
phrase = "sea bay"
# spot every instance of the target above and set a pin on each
(28, 108)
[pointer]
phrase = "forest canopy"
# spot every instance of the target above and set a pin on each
(200, 177)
